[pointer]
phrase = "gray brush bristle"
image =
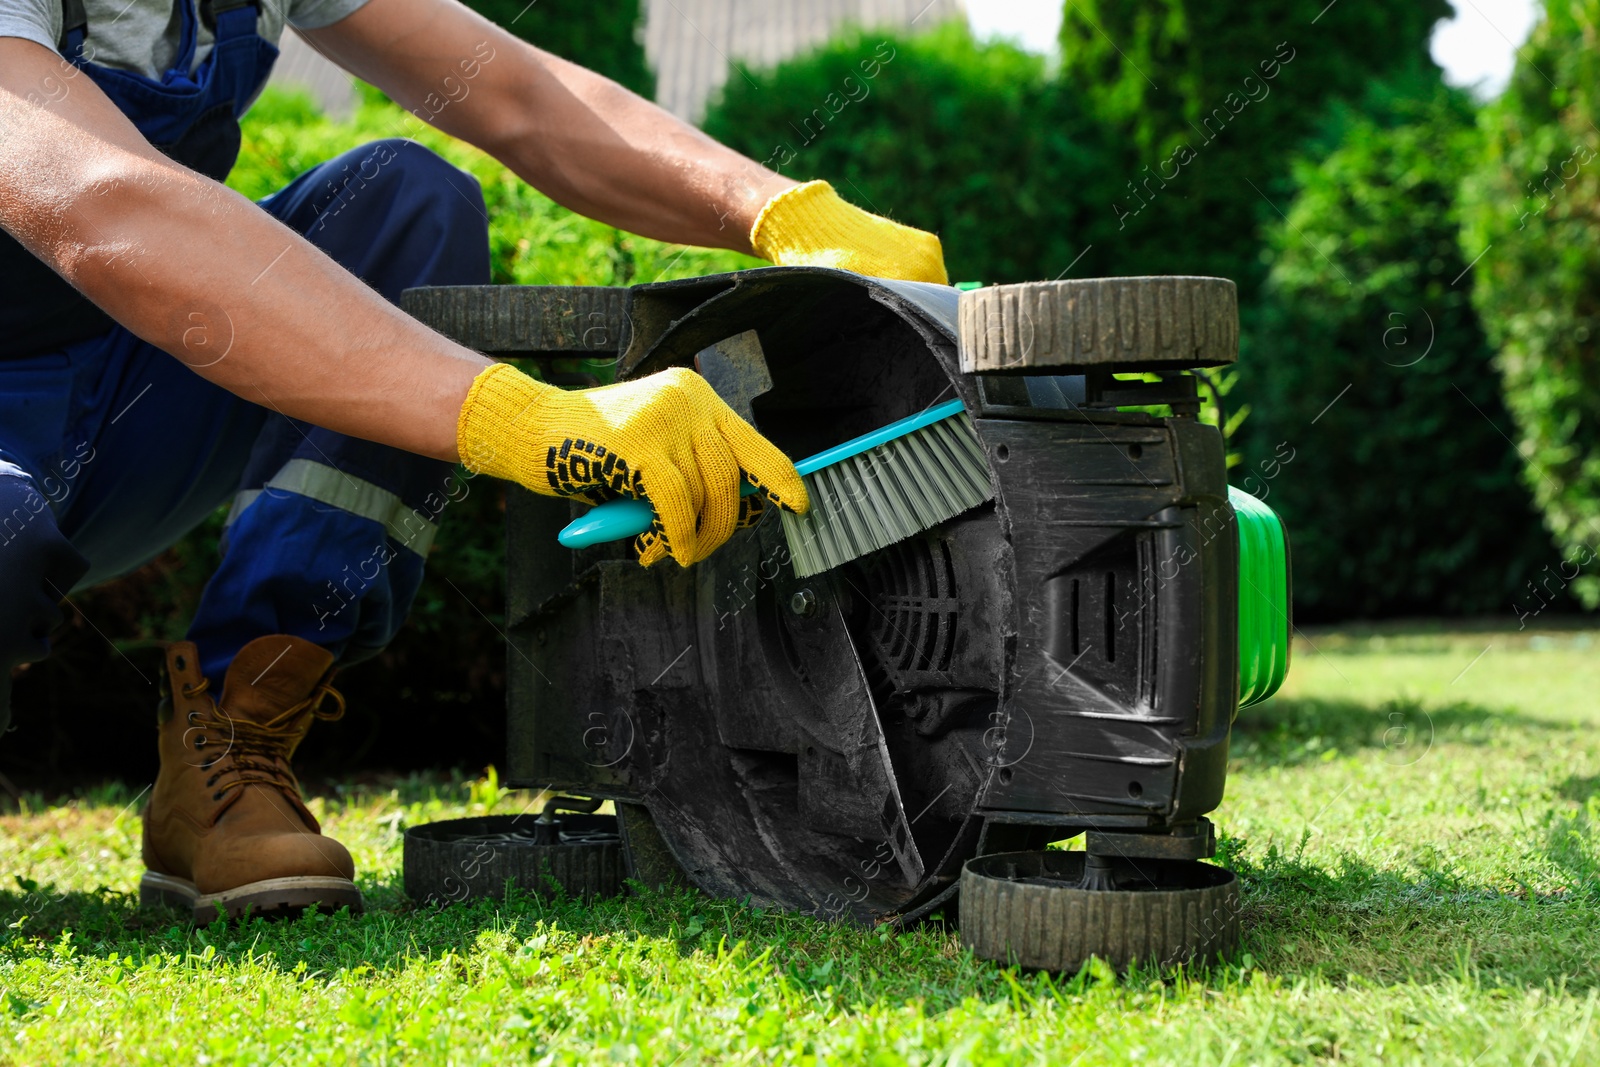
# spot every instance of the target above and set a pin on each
(888, 494)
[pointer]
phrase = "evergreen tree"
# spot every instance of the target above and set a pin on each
(1208, 103)
(1375, 405)
(1533, 227)
(969, 140)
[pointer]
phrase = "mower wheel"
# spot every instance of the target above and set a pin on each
(1110, 324)
(1029, 908)
(461, 859)
(525, 320)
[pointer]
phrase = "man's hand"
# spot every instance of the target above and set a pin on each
(668, 438)
(810, 225)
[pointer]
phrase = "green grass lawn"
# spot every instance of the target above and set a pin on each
(1414, 820)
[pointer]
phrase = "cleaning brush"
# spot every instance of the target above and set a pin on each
(866, 494)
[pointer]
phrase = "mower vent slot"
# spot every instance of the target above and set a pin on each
(1111, 617)
(1098, 626)
(913, 609)
(930, 635)
(947, 653)
(1072, 621)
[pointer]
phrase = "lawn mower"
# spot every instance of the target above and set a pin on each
(900, 736)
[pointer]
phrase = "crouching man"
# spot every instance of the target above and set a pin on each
(167, 346)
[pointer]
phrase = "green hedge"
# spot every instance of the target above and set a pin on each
(1207, 103)
(534, 240)
(1533, 216)
(1376, 406)
(601, 36)
(1019, 173)
(970, 141)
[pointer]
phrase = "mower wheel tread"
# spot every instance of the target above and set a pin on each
(1026, 908)
(1114, 324)
(525, 320)
(463, 859)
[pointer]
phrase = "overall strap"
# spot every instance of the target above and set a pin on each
(211, 9)
(188, 40)
(74, 28)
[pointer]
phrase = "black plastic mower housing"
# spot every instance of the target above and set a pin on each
(1063, 659)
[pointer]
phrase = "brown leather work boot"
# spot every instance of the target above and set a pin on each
(226, 830)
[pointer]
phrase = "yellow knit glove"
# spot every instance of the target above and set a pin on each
(811, 226)
(668, 438)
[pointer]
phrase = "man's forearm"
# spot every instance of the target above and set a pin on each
(251, 305)
(578, 137)
(605, 152)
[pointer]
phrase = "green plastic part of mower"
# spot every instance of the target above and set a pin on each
(1263, 598)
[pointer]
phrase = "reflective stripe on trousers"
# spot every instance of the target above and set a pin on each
(333, 487)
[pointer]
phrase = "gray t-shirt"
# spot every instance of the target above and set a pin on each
(143, 35)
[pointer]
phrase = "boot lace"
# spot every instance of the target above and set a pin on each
(257, 753)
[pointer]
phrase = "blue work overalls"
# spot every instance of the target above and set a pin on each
(111, 449)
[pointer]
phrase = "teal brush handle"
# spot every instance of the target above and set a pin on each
(618, 520)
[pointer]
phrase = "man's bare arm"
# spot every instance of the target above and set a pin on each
(576, 136)
(193, 267)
